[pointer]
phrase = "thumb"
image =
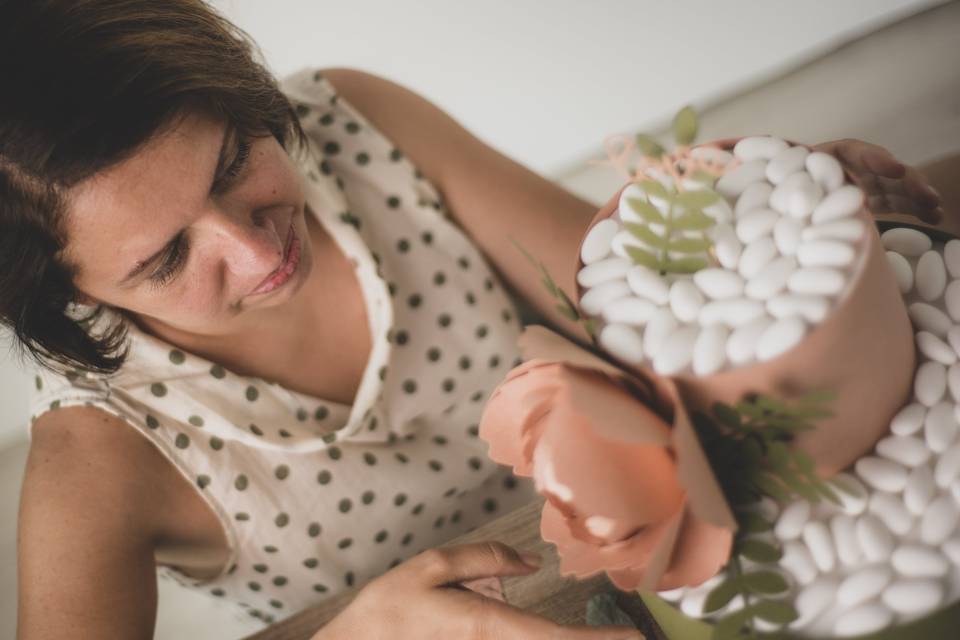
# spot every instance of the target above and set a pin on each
(458, 563)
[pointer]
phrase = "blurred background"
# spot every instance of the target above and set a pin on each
(545, 83)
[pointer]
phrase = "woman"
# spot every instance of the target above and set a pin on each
(266, 337)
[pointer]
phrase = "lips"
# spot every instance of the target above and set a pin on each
(291, 259)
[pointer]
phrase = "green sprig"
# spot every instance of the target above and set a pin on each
(684, 213)
(684, 209)
(749, 445)
(565, 305)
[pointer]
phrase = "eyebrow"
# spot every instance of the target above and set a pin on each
(229, 134)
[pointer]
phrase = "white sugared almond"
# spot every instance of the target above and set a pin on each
(758, 147)
(596, 245)
(907, 242)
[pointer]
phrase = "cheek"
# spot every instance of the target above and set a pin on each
(277, 177)
(196, 294)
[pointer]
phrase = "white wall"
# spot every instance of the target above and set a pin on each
(546, 80)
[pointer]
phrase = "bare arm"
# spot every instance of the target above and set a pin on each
(491, 197)
(85, 548)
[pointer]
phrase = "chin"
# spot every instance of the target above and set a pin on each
(287, 290)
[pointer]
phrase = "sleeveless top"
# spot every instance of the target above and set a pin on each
(314, 496)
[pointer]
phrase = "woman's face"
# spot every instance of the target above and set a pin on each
(193, 232)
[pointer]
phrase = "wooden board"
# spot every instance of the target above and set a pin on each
(545, 592)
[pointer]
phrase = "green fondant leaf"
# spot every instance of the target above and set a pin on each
(697, 199)
(567, 312)
(727, 415)
(684, 265)
(771, 404)
(759, 551)
(704, 177)
(654, 188)
(590, 326)
(754, 523)
(550, 285)
(693, 221)
(803, 461)
(778, 455)
(648, 146)
(642, 256)
(827, 492)
(721, 595)
(847, 487)
(767, 582)
(645, 234)
(769, 485)
(798, 486)
(732, 626)
(775, 611)
(685, 126)
(565, 299)
(602, 610)
(689, 245)
(646, 210)
(750, 409)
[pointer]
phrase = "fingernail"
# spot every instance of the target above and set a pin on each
(532, 559)
(933, 191)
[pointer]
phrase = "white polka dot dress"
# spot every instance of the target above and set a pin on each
(316, 496)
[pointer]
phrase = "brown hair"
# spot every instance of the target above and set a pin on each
(83, 85)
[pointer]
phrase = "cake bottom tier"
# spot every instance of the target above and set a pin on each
(885, 564)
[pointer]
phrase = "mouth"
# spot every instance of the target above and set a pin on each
(280, 275)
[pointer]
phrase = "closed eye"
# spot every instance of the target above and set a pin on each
(173, 261)
(232, 172)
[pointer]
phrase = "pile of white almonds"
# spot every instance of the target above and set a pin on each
(892, 553)
(785, 240)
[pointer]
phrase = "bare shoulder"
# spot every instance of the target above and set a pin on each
(90, 446)
(86, 529)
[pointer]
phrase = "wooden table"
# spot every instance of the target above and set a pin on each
(562, 600)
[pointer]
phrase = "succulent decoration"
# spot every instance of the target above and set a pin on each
(678, 187)
(749, 447)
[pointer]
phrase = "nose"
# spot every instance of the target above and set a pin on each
(249, 246)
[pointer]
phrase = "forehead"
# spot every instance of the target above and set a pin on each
(136, 205)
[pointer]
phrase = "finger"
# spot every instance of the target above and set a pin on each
(443, 565)
(891, 203)
(910, 187)
(917, 186)
(863, 157)
(907, 195)
(881, 162)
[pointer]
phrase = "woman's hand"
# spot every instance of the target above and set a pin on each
(421, 600)
(891, 186)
